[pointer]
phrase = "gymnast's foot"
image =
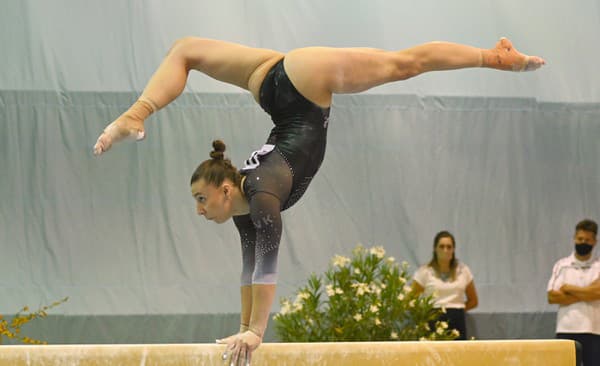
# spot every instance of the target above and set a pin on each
(123, 128)
(129, 126)
(505, 57)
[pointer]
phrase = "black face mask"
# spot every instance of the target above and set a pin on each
(583, 248)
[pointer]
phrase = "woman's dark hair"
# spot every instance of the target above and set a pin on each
(218, 168)
(434, 261)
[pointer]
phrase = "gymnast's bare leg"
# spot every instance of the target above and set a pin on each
(317, 72)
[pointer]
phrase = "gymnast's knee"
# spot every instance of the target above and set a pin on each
(406, 66)
(184, 43)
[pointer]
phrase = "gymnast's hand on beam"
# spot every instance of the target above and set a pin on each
(240, 347)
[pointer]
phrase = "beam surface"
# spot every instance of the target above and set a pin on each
(465, 353)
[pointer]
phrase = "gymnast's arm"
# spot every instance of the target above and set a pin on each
(266, 217)
(247, 232)
(260, 232)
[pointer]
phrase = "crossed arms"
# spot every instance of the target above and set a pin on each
(570, 294)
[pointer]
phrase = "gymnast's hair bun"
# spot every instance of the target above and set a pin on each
(219, 150)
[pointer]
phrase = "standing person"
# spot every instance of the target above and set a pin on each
(296, 90)
(575, 287)
(449, 281)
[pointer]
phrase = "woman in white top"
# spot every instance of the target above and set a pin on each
(449, 281)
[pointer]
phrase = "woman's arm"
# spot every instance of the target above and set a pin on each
(417, 288)
(471, 293)
(266, 217)
(247, 233)
(266, 221)
(246, 311)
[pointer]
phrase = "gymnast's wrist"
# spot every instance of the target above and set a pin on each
(256, 331)
(244, 327)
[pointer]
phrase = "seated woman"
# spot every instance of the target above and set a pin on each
(449, 281)
(295, 89)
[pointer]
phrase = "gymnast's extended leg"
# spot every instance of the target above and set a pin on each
(319, 72)
(228, 62)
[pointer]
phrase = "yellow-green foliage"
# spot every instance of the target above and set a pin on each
(12, 329)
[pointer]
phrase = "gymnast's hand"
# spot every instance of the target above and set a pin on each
(240, 347)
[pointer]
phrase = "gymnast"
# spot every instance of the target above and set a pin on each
(296, 90)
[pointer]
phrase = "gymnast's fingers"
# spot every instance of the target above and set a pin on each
(248, 357)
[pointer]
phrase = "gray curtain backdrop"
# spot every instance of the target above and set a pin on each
(507, 162)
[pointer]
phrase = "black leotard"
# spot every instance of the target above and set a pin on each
(278, 174)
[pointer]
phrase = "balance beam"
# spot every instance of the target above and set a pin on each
(447, 353)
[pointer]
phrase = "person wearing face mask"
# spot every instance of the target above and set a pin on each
(575, 287)
(449, 281)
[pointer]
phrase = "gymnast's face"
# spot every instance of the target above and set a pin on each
(212, 202)
(444, 249)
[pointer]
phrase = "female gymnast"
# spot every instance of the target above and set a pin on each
(296, 90)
